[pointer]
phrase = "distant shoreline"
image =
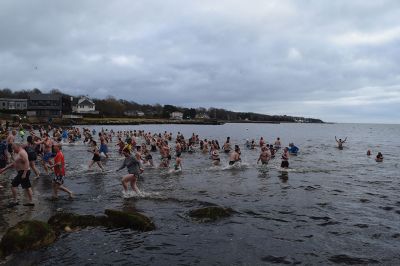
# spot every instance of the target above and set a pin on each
(141, 121)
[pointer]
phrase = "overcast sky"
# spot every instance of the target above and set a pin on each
(334, 60)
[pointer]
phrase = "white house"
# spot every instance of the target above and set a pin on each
(176, 115)
(84, 106)
(202, 116)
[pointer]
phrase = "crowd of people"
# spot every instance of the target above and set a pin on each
(44, 147)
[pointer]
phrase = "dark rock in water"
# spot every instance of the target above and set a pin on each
(326, 218)
(386, 208)
(134, 220)
(209, 214)
(329, 223)
(397, 235)
(376, 236)
(310, 188)
(351, 260)
(114, 218)
(361, 225)
(61, 221)
(278, 260)
(364, 200)
(26, 235)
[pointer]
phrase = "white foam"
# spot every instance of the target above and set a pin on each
(142, 194)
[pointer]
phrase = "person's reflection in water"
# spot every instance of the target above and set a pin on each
(284, 176)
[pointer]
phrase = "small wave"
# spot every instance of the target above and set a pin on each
(237, 166)
(141, 194)
(174, 171)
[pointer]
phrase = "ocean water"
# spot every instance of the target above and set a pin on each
(331, 206)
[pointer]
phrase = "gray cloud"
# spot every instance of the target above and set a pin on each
(322, 59)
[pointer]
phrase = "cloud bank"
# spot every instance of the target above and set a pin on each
(334, 60)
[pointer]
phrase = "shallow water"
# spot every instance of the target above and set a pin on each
(331, 206)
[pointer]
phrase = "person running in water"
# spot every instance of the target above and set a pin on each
(178, 163)
(277, 144)
(262, 142)
(340, 142)
(32, 155)
(265, 156)
(59, 171)
(134, 165)
(285, 158)
(96, 157)
(10, 141)
(103, 146)
(21, 165)
(234, 156)
(3, 153)
(227, 145)
(215, 155)
(47, 152)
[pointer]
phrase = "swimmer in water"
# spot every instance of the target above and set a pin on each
(369, 153)
(293, 149)
(262, 142)
(379, 157)
(277, 144)
(272, 150)
(253, 144)
(340, 142)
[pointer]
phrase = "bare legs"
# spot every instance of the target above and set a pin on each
(98, 163)
(34, 168)
(57, 187)
(28, 192)
(130, 178)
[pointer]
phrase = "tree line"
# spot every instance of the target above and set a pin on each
(111, 106)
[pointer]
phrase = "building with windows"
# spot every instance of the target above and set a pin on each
(83, 105)
(44, 105)
(13, 104)
(176, 115)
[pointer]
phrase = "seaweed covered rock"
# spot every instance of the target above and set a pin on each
(26, 235)
(65, 221)
(70, 221)
(212, 213)
(134, 220)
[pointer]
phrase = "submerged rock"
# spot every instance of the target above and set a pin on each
(26, 235)
(69, 221)
(345, 259)
(208, 214)
(118, 219)
(133, 220)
